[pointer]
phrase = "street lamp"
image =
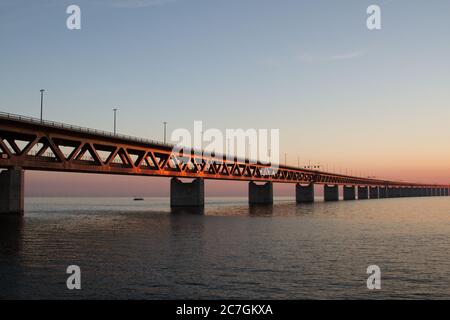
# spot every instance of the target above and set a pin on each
(165, 127)
(115, 118)
(42, 101)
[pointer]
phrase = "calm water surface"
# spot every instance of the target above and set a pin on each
(140, 250)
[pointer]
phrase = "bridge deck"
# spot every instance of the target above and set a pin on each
(32, 144)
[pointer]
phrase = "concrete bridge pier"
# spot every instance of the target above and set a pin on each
(389, 192)
(260, 193)
(187, 194)
(396, 192)
(349, 193)
(12, 191)
(417, 192)
(331, 193)
(382, 192)
(304, 194)
(373, 192)
(407, 192)
(363, 193)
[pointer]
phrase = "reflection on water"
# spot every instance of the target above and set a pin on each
(144, 250)
(260, 210)
(187, 210)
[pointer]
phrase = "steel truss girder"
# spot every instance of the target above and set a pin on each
(95, 153)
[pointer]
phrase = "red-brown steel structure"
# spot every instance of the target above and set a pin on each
(32, 144)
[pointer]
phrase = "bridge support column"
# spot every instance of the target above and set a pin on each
(389, 192)
(423, 192)
(363, 193)
(442, 192)
(260, 194)
(382, 192)
(187, 194)
(304, 194)
(331, 193)
(396, 192)
(12, 191)
(406, 192)
(349, 193)
(373, 192)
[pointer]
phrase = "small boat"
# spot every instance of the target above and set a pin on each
(138, 199)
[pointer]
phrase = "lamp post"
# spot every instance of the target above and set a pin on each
(42, 101)
(115, 120)
(165, 127)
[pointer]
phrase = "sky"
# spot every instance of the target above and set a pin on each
(371, 102)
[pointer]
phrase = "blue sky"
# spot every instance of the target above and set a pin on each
(374, 101)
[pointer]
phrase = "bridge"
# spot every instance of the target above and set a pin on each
(32, 144)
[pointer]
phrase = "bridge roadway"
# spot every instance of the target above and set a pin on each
(31, 144)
